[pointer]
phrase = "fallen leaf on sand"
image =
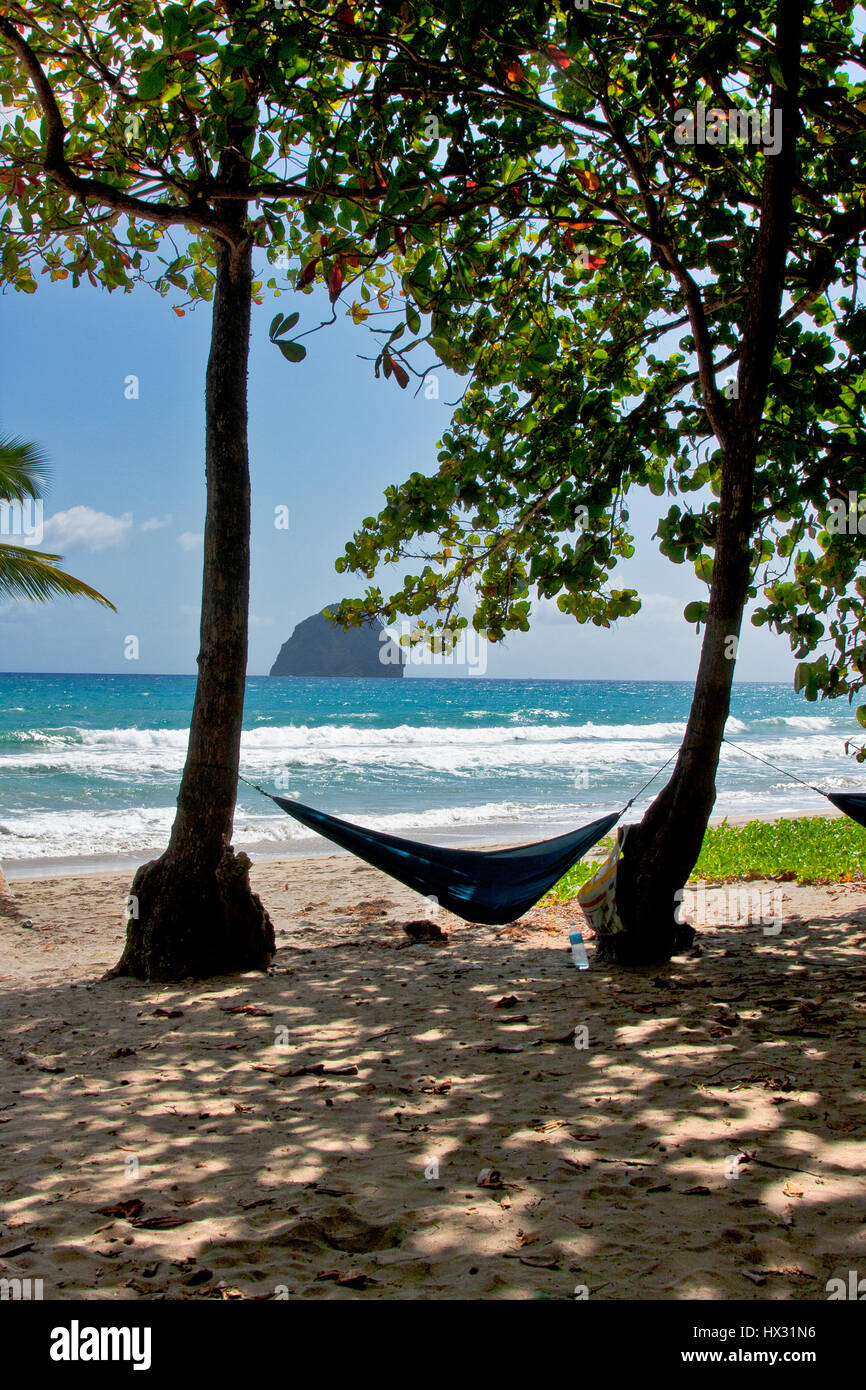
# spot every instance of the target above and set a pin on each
(425, 931)
(489, 1177)
(167, 1013)
(791, 1189)
(567, 1039)
(159, 1223)
(533, 1261)
(322, 1069)
(30, 1059)
(351, 1279)
(226, 1291)
(253, 1010)
(132, 1207)
(506, 1002)
(500, 1047)
(20, 1249)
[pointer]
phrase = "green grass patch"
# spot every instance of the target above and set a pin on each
(811, 849)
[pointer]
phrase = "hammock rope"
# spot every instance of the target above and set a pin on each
(851, 804)
(781, 770)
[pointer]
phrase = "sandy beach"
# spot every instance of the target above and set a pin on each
(380, 1118)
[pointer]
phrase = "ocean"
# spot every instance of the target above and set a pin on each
(89, 765)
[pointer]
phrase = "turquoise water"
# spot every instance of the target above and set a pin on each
(89, 765)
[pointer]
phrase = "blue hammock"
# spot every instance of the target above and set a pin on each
(488, 886)
(853, 804)
(494, 886)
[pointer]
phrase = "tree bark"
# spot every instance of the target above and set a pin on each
(192, 912)
(660, 853)
(662, 850)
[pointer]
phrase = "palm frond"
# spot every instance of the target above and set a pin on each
(24, 469)
(33, 574)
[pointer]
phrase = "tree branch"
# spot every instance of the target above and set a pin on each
(56, 165)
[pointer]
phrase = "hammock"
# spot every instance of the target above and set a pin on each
(853, 804)
(488, 886)
(491, 886)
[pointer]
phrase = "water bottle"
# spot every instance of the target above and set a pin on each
(578, 951)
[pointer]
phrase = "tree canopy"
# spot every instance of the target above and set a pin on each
(593, 275)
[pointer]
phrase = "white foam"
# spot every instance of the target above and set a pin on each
(91, 834)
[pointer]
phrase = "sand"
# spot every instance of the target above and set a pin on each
(377, 1118)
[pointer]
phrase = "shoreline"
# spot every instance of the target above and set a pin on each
(36, 870)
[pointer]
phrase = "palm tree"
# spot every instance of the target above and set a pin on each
(26, 573)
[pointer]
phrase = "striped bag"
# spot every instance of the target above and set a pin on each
(597, 897)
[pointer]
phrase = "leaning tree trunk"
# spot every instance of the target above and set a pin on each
(662, 850)
(192, 912)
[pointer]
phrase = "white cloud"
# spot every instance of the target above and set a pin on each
(156, 523)
(190, 540)
(259, 622)
(82, 527)
(661, 608)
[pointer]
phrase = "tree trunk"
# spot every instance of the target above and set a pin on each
(192, 912)
(661, 852)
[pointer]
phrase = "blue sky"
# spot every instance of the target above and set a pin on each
(325, 439)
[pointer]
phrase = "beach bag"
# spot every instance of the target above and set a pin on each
(597, 897)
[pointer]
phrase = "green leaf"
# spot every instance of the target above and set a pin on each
(282, 324)
(776, 73)
(704, 568)
(696, 612)
(151, 83)
(293, 352)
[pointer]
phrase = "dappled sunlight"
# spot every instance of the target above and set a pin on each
(381, 1119)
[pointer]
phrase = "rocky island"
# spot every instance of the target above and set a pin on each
(318, 647)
